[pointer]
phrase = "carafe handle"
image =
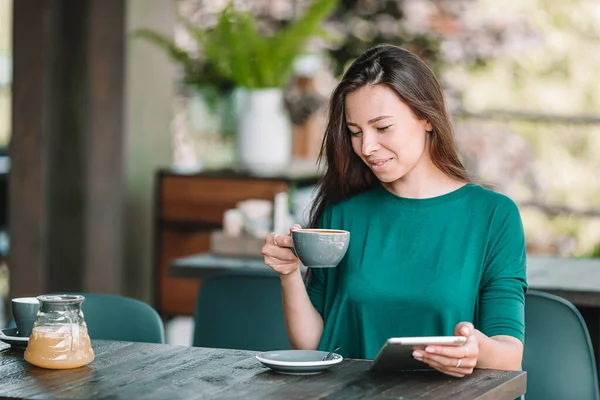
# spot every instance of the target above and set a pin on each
(74, 334)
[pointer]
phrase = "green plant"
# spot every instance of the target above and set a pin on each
(595, 252)
(234, 52)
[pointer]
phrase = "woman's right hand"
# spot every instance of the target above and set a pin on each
(278, 254)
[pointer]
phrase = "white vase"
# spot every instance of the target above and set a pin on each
(264, 138)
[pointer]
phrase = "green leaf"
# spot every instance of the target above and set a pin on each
(235, 51)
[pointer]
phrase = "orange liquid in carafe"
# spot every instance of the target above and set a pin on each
(54, 349)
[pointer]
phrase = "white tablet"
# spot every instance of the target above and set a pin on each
(396, 353)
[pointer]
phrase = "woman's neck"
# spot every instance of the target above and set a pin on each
(423, 182)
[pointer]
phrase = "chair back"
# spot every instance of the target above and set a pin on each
(112, 317)
(558, 354)
(240, 310)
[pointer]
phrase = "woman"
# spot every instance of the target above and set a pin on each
(430, 253)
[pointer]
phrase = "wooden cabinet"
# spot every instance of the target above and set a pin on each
(188, 209)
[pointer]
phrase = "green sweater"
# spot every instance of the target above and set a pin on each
(417, 267)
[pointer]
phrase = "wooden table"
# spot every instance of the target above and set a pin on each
(124, 370)
(575, 279)
(205, 264)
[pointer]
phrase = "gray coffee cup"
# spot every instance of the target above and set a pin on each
(25, 311)
(320, 248)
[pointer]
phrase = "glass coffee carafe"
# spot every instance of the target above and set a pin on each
(59, 339)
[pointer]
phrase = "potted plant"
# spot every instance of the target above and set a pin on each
(235, 54)
(204, 92)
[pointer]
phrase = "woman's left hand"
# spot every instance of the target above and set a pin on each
(453, 360)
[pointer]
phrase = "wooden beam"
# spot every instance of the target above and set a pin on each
(66, 155)
(28, 181)
(66, 178)
(104, 212)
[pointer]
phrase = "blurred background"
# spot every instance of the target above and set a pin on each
(132, 131)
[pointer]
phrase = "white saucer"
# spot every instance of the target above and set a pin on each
(298, 362)
(9, 336)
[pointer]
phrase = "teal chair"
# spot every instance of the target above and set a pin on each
(558, 354)
(111, 317)
(240, 310)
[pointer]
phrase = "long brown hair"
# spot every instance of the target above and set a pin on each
(416, 85)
